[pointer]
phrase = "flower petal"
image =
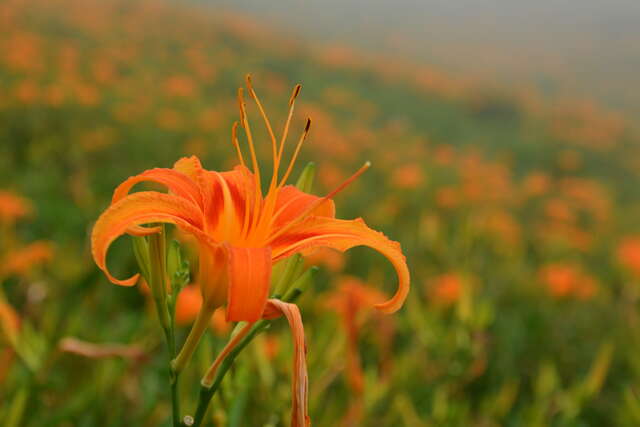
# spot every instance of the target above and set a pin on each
(292, 202)
(343, 235)
(300, 386)
(142, 208)
(249, 279)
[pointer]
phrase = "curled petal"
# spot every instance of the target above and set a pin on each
(343, 235)
(176, 182)
(300, 386)
(189, 166)
(142, 208)
(249, 279)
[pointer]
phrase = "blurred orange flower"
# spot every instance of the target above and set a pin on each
(628, 253)
(559, 279)
(180, 86)
(445, 289)
(349, 299)
(188, 304)
(169, 119)
(13, 206)
(504, 225)
(20, 261)
(444, 155)
(565, 280)
(536, 184)
(9, 327)
(9, 322)
(409, 176)
(559, 210)
(447, 198)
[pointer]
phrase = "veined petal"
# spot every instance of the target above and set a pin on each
(176, 182)
(142, 208)
(249, 280)
(227, 195)
(213, 274)
(292, 202)
(300, 386)
(343, 235)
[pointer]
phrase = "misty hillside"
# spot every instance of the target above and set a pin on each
(581, 49)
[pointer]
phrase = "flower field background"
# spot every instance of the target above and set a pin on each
(519, 218)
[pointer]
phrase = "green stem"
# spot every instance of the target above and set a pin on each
(152, 258)
(175, 401)
(157, 257)
(16, 411)
(197, 330)
(173, 376)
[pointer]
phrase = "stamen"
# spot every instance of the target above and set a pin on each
(247, 129)
(285, 131)
(254, 160)
(319, 202)
(295, 153)
(269, 129)
(266, 213)
(349, 180)
(234, 140)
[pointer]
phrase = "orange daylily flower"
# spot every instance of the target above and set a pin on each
(241, 232)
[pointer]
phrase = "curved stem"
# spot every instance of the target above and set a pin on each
(209, 377)
(206, 393)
